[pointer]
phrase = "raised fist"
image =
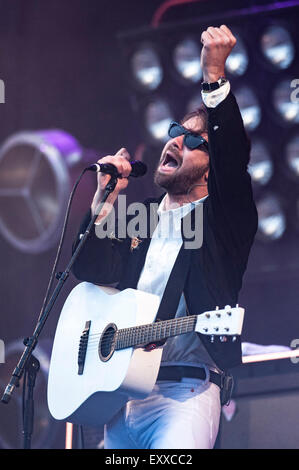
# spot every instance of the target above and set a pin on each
(217, 45)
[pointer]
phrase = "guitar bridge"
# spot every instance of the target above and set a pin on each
(83, 347)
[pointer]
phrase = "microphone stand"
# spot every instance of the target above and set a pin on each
(27, 361)
(32, 367)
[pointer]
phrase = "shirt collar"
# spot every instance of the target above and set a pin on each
(170, 220)
(179, 211)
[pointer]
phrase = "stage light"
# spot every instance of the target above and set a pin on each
(249, 107)
(260, 166)
(35, 182)
(237, 61)
(186, 58)
(287, 108)
(272, 221)
(277, 46)
(146, 68)
(157, 119)
(292, 155)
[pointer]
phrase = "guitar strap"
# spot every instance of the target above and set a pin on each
(176, 282)
(175, 286)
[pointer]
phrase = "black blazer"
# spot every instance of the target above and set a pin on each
(213, 273)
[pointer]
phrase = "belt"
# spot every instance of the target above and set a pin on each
(177, 373)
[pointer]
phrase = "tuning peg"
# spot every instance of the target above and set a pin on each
(223, 339)
(234, 338)
(212, 338)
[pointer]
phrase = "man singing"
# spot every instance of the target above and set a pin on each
(204, 164)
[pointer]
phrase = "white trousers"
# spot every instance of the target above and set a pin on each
(176, 415)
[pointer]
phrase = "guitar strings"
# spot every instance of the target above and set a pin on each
(140, 332)
(159, 325)
(141, 329)
(142, 336)
(176, 323)
(95, 345)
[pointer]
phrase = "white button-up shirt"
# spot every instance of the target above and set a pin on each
(185, 349)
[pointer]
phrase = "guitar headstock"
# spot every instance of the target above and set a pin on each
(221, 322)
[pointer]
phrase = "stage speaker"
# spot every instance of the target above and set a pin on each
(262, 422)
(264, 411)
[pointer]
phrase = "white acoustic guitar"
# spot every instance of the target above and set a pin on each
(99, 359)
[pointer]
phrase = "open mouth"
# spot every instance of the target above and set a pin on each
(170, 161)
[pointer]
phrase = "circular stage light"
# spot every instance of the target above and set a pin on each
(157, 119)
(283, 103)
(249, 107)
(272, 221)
(277, 46)
(146, 68)
(186, 59)
(292, 155)
(237, 61)
(34, 187)
(260, 166)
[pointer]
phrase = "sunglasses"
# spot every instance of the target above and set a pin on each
(191, 140)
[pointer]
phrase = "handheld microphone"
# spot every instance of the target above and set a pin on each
(138, 169)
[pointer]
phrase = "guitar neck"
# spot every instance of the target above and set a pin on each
(154, 332)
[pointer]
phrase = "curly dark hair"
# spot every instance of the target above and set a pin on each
(200, 112)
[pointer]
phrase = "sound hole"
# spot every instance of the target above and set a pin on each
(107, 342)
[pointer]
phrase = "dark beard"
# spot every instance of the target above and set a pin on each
(181, 182)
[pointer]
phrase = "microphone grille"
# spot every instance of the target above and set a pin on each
(138, 168)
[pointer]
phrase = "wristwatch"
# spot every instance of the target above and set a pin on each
(206, 86)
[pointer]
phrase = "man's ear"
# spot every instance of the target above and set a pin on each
(206, 175)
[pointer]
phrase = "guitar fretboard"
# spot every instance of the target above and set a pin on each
(144, 334)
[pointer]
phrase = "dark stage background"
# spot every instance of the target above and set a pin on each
(62, 67)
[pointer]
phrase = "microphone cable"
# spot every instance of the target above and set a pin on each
(61, 241)
(46, 297)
